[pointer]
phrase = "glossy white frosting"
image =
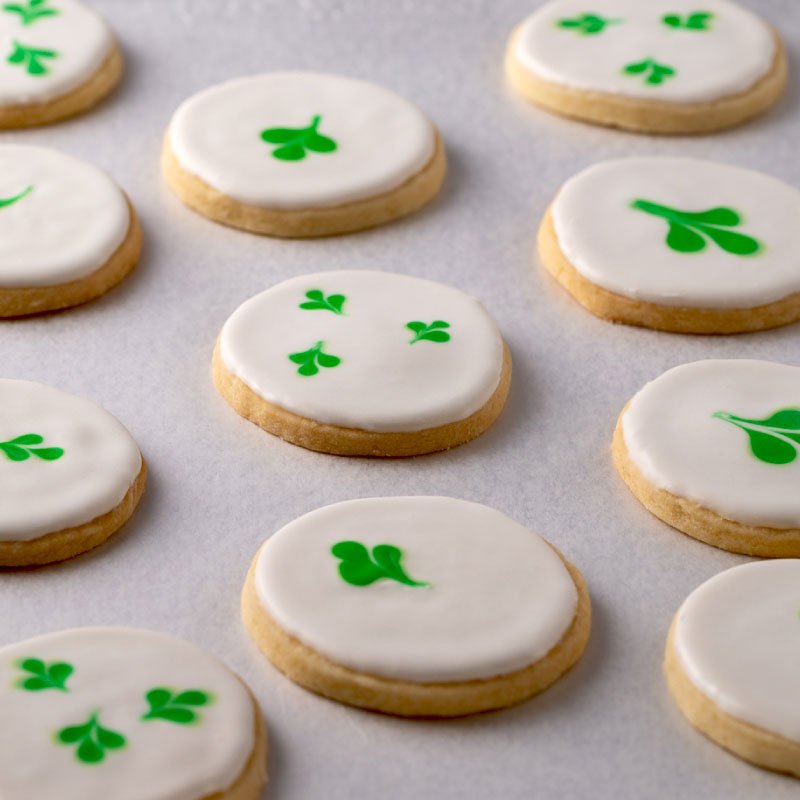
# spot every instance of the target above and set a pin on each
(98, 467)
(499, 597)
(383, 383)
(624, 250)
(114, 668)
(738, 639)
(734, 54)
(67, 226)
(677, 443)
(382, 139)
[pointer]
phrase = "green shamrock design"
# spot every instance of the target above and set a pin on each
(774, 440)
(31, 58)
(312, 359)
(295, 141)
(654, 73)
(177, 707)
(21, 448)
(688, 229)
(432, 333)
(35, 9)
(44, 676)
(358, 569)
(698, 21)
(92, 739)
(587, 24)
(9, 201)
(318, 301)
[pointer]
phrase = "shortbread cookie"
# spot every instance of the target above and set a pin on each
(660, 66)
(677, 244)
(302, 154)
(713, 449)
(731, 662)
(100, 713)
(416, 606)
(363, 363)
(70, 474)
(58, 58)
(67, 232)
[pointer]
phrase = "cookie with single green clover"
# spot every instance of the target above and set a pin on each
(302, 154)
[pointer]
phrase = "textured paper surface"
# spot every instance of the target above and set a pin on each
(219, 486)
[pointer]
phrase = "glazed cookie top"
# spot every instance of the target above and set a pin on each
(63, 461)
(301, 139)
(682, 232)
(417, 588)
(94, 713)
(60, 218)
(725, 434)
(48, 48)
(681, 51)
(369, 350)
(738, 639)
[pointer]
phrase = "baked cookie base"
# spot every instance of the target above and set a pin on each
(753, 744)
(315, 672)
(70, 542)
(78, 100)
(615, 307)
(410, 196)
(649, 116)
(339, 441)
(23, 301)
(698, 521)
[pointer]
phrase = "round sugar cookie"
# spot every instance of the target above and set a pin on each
(96, 713)
(416, 606)
(70, 474)
(677, 244)
(68, 233)
(302, 154)
(713, 449)
(58, 58)
(364, 363)
(661, 66)
(731, 662)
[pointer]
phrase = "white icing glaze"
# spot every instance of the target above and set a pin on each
(738, 639)
(99, 464)
(114, 668)
(678, 445)
(624, 250)
(66, 227)
(737, 51)
(382, 139)
(79, 37)
(383, 383)
(499, 597)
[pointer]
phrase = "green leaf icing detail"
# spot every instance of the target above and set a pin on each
(698, 21)
(686, 229)
(177, 707)
(774, 440)
(31, 58)
(317, 300)
(9, 201)
(44, 676)
(312, 359)
(358, 569)
(32, 11)
(587, 24)
(432, 333)
(92, 739)
(653, 73)
(294, 142)
(21, 448)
